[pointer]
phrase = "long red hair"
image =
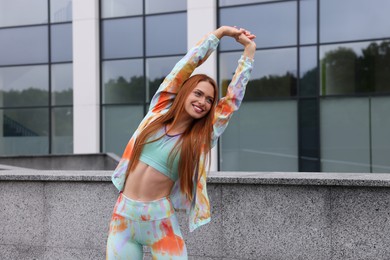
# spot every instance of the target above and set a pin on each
(192, 144)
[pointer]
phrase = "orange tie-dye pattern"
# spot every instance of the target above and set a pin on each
(170, 243)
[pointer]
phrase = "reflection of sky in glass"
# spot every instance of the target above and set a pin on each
(23, 45)
(308, 21)
(160, 6)
(122, 38)
(308, 59)
(32, 12)
(61, 42)
(274, 24)
(158, 27)
(268, 62)
(60, 11)
(160, 67)
(117, 8)
(24, 77)
(354, 19)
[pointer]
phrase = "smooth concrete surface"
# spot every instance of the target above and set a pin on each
(65, 215)
(103, 161)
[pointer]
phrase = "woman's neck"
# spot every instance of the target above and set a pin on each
(180, 126)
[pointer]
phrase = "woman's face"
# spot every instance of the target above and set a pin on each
(200, 100)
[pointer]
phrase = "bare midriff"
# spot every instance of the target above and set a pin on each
(146, 184)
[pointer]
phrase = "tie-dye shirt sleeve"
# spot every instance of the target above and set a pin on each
(171, 85)
(233, 98)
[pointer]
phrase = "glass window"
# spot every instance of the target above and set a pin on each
(156, 70)
(122, 38)
(274, 76)
(62, 130)
(308, 85)
(123, 82)
(60, 11)
(355, 68)
(345, 135)
(118, 8)
(262, 136)
(274, 24)
(380, 129)
(62, 84)
(24, 86)
(240, 2)
(354, 19)
(161, 6)
(24, 45)
(24, 131)
(157, 40)
(308, 21)
(308, 135)
(22, 12)
(61, 42)
(119, 124)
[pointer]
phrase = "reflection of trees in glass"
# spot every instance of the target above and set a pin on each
(35, 97)
(63, 122)
(343, 71)
(268, 86)
(132, 91)
(27, 97)
(122, 91)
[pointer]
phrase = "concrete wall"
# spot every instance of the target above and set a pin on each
(103, 161)
(65, 215)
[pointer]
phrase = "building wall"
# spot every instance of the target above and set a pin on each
(317, 100)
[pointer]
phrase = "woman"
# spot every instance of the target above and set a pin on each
(163, 165)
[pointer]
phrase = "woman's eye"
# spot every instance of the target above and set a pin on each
(197, 93)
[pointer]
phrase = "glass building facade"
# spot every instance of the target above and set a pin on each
(36, 77)
(318, 99)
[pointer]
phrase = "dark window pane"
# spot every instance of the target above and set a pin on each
(308, 21)
(157, 27)
(156, 70)
(123, 82)
(24, 86)
(309, 135)
(62, 84)
(22, 12)
(23, 45)
(308, 85)
(160, 6)
(355, 68)
(240, 2)
(119, 123)
(61, 42)
(274, 76)
(24, 131)
(118, 8)
(354, 19)
(274, 24)
(122, 38)
(62, 130)
(60, 11)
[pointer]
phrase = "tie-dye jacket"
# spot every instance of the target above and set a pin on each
(199, 208)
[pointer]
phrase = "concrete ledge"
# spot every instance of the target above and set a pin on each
(270, 178)
(65, 215)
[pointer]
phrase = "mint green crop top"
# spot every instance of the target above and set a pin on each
(156, 154)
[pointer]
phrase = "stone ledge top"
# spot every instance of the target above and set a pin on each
(268, 178)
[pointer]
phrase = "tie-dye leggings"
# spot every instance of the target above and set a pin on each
(153, 224)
